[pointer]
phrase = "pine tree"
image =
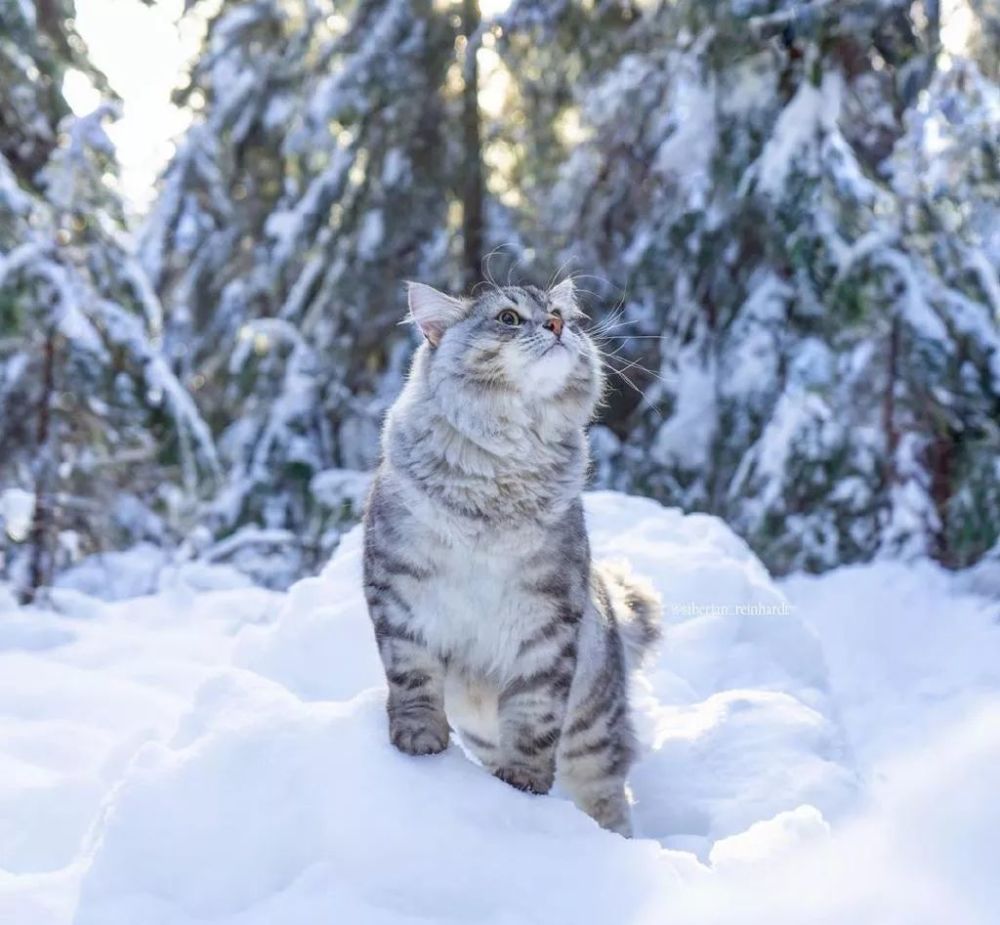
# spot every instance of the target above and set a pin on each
(321, 174)
(799, 202)
(95, 429)
(793, 256)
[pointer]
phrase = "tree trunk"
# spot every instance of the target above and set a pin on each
(889, 427)
(472, 179)
(39, 565)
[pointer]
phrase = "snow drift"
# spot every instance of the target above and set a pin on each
(221, 756)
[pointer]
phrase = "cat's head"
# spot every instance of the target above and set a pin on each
(522, 341)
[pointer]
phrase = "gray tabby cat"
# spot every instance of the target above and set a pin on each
(488, 612)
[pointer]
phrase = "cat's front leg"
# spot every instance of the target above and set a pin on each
(532, 707)
(417, 721)
(414, 674)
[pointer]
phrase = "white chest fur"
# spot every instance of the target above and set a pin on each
(474, 610)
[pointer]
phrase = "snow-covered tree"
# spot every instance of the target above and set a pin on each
(317, 179)
(945, 172)
(98, 436)
(799, 201)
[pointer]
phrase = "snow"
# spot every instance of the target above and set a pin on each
(17, 507)
(811, 112)
(988, 278)
(371, 234)
(752, 355)
(335, 487)
(685, 437)
(751, 87)
(116, 576)
(798, 412)
(912, 653)
(686, 153)
(216, 753)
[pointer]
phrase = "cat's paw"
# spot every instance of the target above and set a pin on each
(419, 736)
(531, 780)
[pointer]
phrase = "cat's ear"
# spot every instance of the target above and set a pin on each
(433, 311)
(563, 297)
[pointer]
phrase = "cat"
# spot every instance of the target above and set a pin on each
(489, 615)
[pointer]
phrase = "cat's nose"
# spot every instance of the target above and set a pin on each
(554, 324)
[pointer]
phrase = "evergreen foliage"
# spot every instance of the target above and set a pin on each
(318, 179)
(800, 202)
(99, 439)
(786, 213)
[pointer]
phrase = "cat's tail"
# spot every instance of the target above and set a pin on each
(636, 607)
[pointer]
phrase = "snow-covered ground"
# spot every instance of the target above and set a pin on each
(820, 751)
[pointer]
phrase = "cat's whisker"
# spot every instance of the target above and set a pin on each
(613, 318)
(634, 364)
(613, 324)
(559, 272)
(634, 337)
(617, 308)
(487, 262)
(601, 279)
(645, 399)
(609, 356)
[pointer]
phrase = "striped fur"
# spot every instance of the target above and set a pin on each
(487, 610)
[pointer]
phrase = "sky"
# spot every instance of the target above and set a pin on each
(144, 52)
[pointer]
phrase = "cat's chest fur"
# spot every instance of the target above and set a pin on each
(474, 609)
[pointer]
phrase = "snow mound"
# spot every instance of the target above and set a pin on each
(281, 780)
(733, 713)
(79, 696)
(303, 812)
(220, 757)
(321, 646)
(909, 649)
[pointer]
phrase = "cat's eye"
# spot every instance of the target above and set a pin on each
(510, 318)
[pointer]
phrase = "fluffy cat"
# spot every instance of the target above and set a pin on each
(488, 612)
